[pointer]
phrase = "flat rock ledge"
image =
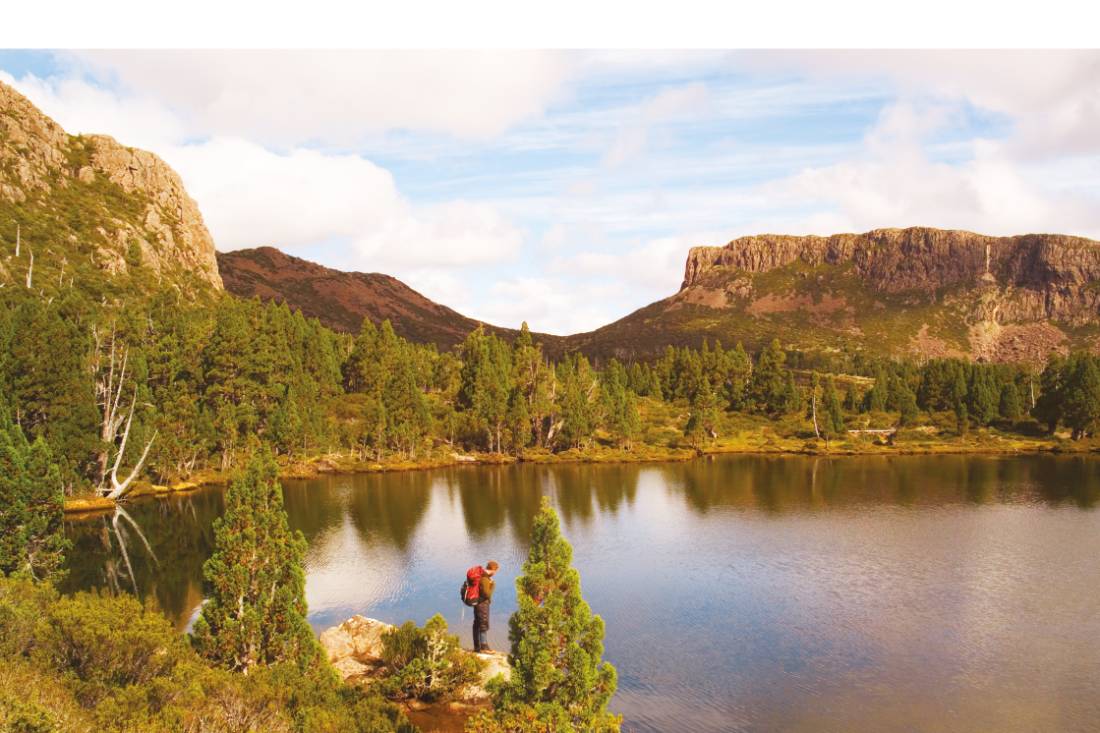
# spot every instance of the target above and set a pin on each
(354, 648)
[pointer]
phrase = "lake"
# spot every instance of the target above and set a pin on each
(740, 593)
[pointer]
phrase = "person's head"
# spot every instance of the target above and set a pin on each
(491, 567)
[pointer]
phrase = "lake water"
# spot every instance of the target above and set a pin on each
(742, 593)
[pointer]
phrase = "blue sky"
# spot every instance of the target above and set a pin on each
(565, 188)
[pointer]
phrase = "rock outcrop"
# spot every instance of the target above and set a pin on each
(354, 648)
(94, 196)
(899, 292)
(1039, 276)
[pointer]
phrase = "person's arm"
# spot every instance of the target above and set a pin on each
(487, 586)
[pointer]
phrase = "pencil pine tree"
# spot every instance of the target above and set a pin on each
(32, 542)
(256, 610)
(559, 682)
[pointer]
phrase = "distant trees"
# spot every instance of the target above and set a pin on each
(559, 682)
(1070, 394)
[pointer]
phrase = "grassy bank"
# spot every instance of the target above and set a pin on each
(662, 441)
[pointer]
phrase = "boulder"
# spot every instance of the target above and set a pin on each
(495, 663)
(354, 648)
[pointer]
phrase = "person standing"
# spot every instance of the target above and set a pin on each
(481, 610)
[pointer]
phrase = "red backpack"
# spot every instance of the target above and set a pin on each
(471, 587)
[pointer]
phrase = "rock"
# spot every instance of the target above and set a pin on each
(354, 648)
(38, 159)
(496, 663)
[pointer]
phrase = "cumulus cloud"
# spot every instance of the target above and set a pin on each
(558, 305)
(894, 182)
(251, 196)
(287, 98)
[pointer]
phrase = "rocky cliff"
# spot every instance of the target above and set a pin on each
(89, 199)
(917, 291)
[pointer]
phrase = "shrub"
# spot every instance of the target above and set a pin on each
(427, 663)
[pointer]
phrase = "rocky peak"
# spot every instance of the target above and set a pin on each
(42, 168)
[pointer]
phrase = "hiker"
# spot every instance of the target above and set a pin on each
(477, 591)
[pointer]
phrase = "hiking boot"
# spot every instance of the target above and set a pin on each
(486, 650)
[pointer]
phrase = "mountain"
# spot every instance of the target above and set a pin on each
(341, 300)
(916, 292)
(87, 207)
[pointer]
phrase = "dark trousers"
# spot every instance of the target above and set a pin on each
(481, 626)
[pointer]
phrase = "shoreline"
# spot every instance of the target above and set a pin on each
(342, 465)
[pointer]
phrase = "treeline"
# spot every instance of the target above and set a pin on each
(162, 387)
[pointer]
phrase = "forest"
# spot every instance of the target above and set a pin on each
(158, 389)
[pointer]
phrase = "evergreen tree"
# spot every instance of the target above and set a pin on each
(557, 644)
(906, 403)
(1010, 407)
(620, 407)
(876, 398)
(577, 400)
(255, 613)
(1082, 401)
(32, 540)
(983, 395)
(833, 424)
(702, 423)
(1051, 402)
(769, 387)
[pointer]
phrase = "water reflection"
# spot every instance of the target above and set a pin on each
(805, 593)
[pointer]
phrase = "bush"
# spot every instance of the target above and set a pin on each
(425, 664)
(104, 664)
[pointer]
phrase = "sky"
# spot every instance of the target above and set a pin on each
(564, 188)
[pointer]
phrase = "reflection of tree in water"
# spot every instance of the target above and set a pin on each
(316, 506)
(498, 494)
(110, 554)
(581, 489)
(778, 484)
(390, 505)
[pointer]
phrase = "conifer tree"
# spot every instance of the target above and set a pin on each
(833, 424)
(702, 423)
(32, 540)
(255, 613)
(558, 677)
(1010, 407)
(1082, 401)
(769, 386)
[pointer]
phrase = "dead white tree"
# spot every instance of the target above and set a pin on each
(109, 382)
(17, 240)
(30, 269)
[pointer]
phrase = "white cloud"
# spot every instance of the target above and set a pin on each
(286, 98)
(668, 104)
(550, 304)
(251, 196)
(1052, 96)
(895, 183)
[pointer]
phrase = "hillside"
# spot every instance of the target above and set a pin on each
(917, 292)
(90, 209)
(341, 300)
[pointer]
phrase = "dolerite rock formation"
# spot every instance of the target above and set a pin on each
(904, 292)
(90, 195)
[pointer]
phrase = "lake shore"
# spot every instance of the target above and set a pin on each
(763, 442)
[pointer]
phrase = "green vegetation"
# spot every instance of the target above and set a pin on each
(559, 682)
(255, 612)
(91, 663)
(425, 663)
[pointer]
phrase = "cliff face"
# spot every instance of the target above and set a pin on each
(89, 195)
(914, 292)
(1037, 276)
